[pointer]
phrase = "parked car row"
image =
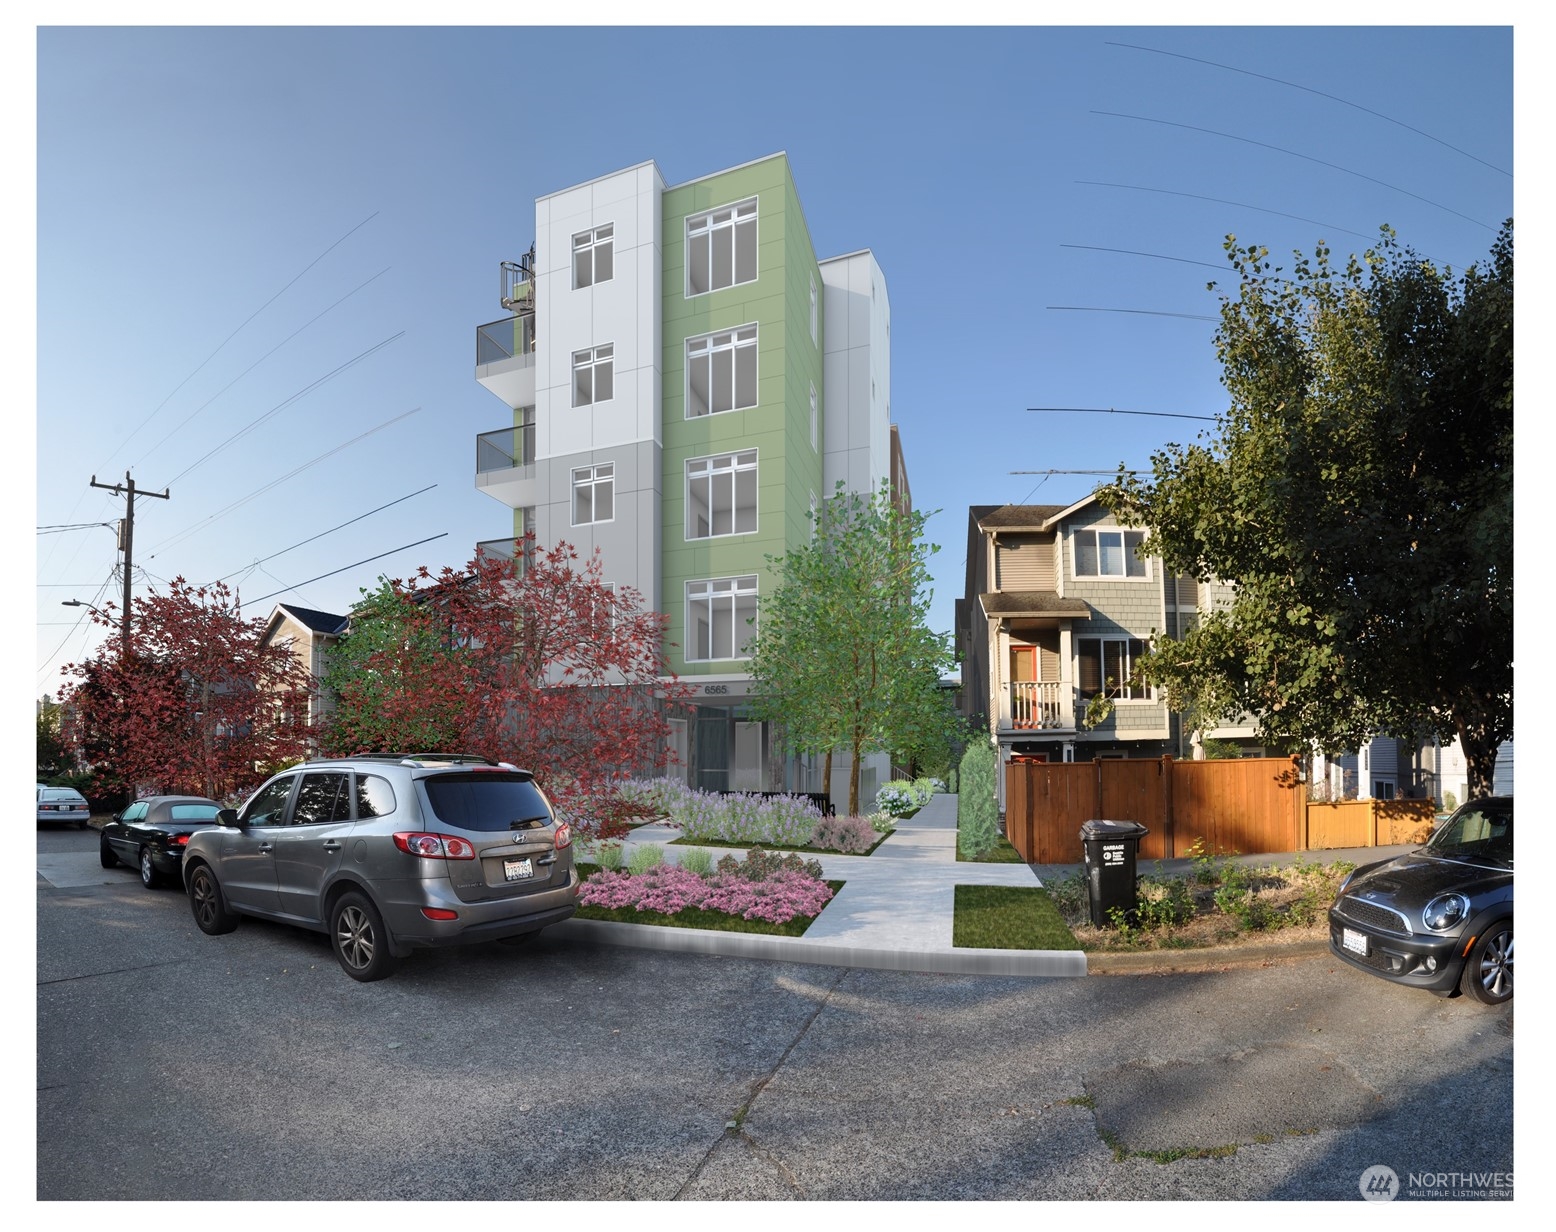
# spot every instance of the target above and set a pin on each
(62, 804)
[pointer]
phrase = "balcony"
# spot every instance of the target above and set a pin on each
(1033, 705)
(500, 471)
(505, 358)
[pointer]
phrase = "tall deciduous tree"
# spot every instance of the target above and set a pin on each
(843, 656)
(1358, 494)
(196, 702)
(544, 665)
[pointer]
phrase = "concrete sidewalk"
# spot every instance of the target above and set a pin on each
(895, 912)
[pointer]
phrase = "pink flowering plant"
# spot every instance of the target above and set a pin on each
(774, 890)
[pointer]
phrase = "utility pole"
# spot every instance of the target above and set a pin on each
(127, 543)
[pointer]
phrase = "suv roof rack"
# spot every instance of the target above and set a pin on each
(426, 758)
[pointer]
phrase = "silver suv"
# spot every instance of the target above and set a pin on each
(388, 853)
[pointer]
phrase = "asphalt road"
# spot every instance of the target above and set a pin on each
(177, 1066)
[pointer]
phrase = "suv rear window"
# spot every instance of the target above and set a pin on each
(485, 800)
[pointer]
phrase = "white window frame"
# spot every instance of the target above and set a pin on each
(593, 246)
(815, 313)
(596, 361)
(595, 479)
(723, 599)
(722, 475)
(1121, 694)
(731, 346)
(1126, 554)
(704, 234)
(815, 419)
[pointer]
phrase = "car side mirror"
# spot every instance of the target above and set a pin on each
(227, 817)
(115, 817)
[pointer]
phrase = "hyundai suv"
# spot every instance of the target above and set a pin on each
(387, 853)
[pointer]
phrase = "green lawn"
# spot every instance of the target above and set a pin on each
(1009, 918)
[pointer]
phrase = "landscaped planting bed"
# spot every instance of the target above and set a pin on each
(791, 823)
(767, 893)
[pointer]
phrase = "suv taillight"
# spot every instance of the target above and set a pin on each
(564, 836)
(434, 846)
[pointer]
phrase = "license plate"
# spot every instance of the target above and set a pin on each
(1354, 941)
(518, 870)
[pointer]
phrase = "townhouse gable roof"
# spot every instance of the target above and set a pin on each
(326, 623)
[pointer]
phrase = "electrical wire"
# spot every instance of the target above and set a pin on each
(353, 565)
(1144, 312)
(280, 406)
(1242, 205)
(256, 364)
(1157, 255)
(322, 533)
(1231, 68)
(1265, 145)
(220, 513)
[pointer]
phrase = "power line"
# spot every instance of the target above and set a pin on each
(1108, 410)
(1144, 312)
(55, 530)
(332, 573)
(1157, 255)
(1058, 472)
(199, 526)
(322, 533)
(280, 406)
(240, 328)
(1321, 94)
(1265, 145)
(257, 362)
(1242, 205)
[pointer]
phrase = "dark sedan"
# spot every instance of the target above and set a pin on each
(150, 835)
(1440, 917)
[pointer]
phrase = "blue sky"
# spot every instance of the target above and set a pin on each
(262, 253)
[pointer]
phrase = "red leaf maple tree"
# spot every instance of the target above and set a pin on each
(532, 659)
(195, 704)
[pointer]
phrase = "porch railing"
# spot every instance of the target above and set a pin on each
(1037, 704)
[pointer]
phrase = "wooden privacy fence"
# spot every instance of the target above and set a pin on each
(1251, 805)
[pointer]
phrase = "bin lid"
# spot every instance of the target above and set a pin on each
(1098, 829)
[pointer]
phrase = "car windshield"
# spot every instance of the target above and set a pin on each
(486, 800)
(1482, 832)
(59, 793)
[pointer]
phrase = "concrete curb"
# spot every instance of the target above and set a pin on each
(1041, 963)
(1164, 962)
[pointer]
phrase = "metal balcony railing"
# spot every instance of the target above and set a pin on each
(1036, 704)
(506, 449)
(510, 338)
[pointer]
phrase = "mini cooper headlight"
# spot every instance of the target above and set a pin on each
(1445, 911)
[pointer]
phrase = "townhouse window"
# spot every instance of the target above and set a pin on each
(720, 618)
(721, 372)
(815, 419)
(1109, 553)
(524, 436)
(1106, 664)
(721, 495)
(721, 248)
(593, 259)
(815, 313)
(592, 375)
(524, 525)
(594, 492)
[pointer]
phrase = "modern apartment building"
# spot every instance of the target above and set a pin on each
(685, 381)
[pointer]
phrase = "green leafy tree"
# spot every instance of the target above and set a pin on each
(1358, 495)
(977, 808)
(843, 655)
(54, 755)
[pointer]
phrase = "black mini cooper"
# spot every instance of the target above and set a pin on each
(1441, 917)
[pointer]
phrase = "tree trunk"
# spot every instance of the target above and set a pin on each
(1480, 757)
(826, 776)
(853, 775)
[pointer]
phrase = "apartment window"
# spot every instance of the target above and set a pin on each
(1109, 553)
(1106, 664)
(721, 495)
(524, 526)
(524, 436)
(720, 618)
(815, 313)
(815, 419)
(721, 372)
(592, 256)
(594, 492)
(721, 248)
(592, 380)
